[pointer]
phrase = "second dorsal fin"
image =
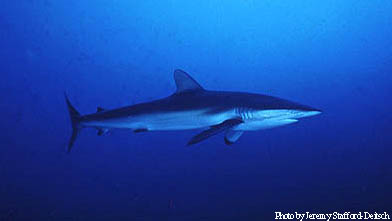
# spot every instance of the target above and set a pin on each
(99, 109)
(185, 82)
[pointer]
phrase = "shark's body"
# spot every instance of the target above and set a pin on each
(193, 107)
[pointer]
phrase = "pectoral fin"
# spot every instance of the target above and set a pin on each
(214, 130)
(232, 136)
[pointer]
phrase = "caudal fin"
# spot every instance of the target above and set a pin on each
(75, 119)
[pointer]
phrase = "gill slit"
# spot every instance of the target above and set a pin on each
(244, 113)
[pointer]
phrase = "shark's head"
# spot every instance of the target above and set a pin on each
(305, 113)
(285, 113)
(289, 113)
(262, 112)
(295, 111)
(267, 107)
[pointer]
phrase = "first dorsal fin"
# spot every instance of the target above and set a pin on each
(185, 82)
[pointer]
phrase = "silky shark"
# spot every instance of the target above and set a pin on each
(193, 107)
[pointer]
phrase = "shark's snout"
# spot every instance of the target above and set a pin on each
(304, 113)
(312, 113)
(307, 111)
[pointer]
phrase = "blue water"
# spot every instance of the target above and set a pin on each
(333, 55)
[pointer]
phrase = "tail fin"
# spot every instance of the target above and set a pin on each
(75, 119)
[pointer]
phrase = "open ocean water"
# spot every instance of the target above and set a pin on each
(333, 55)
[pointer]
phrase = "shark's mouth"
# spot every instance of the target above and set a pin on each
(281, 114)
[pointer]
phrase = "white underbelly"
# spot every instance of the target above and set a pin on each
(181, 120)
(263, 124)
(184, 120)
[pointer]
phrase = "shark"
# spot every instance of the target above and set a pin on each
(192, 107)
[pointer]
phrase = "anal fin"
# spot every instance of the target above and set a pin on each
(103, 131)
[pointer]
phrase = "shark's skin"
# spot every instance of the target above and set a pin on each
(193, 107)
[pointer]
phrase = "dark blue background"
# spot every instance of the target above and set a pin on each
(334, 55)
